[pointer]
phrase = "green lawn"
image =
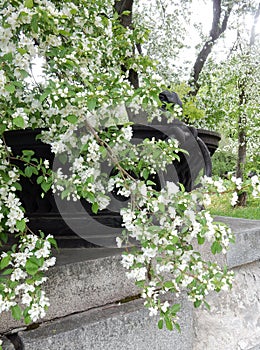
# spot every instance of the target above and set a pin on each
(220, 206)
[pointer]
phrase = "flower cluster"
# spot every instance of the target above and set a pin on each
(24, 266)
(12, 215)
(168, 227)
(232, 185)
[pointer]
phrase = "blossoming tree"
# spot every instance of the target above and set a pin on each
(235, 86)
(87, 57)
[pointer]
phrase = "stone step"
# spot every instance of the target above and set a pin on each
(88, 283)
(115, 327)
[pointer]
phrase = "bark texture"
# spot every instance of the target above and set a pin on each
(219, 25)
(127, 21)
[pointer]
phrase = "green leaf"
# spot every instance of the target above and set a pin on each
(175, 308)
(23, 73)
(175, 239)
(126, 13)
(103, 151)
(18, 121)
(207, 305)
(197, 303)
(5, 262)
(168, 323)
(34, 23)
(145, 173)
(94, 207)
(160, 324)
(31, 267)
(177, 326)
(65, 193)
(184, 230)
(28, 152)
(171, 247)
(17, 186)
(21, 50)
(150, 183)
(42, 235)
(53, 242)
(73, 11)
(7, 272)
(45, 186)
(64, 32)
(21, 225)
(3, 237)
(168, 284)
(40, 179)
(84, 147)
(72, 119)
(10, 88)
(27, 319)
(16, 312)
(92, 104)
(216, 248)
(28, 4)
(200, 239)
(44, 95)
(2, 129)
(28, 171)
(18, 84)
(35, 170)
(8, 57)
(161, 207)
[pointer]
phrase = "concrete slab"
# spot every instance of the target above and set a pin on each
(91, 277)
(82, 279)
(127, 326)
(233, 321)
(247, 246)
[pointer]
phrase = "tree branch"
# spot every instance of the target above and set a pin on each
(127, 22)
(217, 29)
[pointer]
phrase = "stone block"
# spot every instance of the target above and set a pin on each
(247, 246)
(82, 279)
(127, 326)
(233, 322)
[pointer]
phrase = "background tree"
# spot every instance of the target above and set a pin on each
(237, 74)
(221, 14)
(230, 94)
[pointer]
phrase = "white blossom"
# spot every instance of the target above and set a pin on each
(234, 199)
(165, 306)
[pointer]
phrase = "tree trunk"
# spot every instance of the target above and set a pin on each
(121, 6)
(241, 159)
(242, 122)
(217, 29)
(127, 22)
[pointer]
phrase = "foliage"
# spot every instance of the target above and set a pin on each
(87, 56)
(166, 22)
(223, 162)
(220, 95)
(192, 111)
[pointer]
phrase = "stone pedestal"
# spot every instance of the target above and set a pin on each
(94, 306)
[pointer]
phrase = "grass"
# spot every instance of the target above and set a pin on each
(220, 206)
